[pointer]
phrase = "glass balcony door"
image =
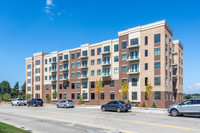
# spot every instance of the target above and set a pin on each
(133, 54)
(106, 71)
(134, 68)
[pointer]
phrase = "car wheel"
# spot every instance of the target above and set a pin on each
(174, 112)
(72, 106)
(12, 104)
(24, 104)
(28, 105)
(65, 106)
(103, 109)
(126, 110)
(57, 106)
(34, 105)
(118, 110)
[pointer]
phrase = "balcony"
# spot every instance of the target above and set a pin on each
(64, 79)
(174, 53)
(54, 79)
(83, 77)
(133, 59)
(105, 75)
(106, 63)
(53, 62)
(174, 76)
(133, 46)
(84, 67)
(133, 71)
(64, 60)
(65, 69)
(83, 57)
(53, 70)
(174, 64)
(105, 52)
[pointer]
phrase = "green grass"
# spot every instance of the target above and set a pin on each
(5, 128)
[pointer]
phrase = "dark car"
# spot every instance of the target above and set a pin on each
(118, 106)
(35, 102)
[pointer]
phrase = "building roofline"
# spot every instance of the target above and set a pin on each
(178, 42)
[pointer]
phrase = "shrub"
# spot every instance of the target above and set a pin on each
(153, 105)
(143, 105)
(136, 105)
(6, 97)
(81, 101)
(19, 96)
(129, 102)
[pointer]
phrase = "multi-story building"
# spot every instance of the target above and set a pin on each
(140, 55)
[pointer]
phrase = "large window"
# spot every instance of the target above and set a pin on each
(107, 49)
(73, 95)
(92, 96)
(37, 87)
(133, 54)
(156, 51)
(124, 56)
(116, 58)
(124, 44)
(92, 72)
(66, 56)
(92, 84)
(29, 66)
(92, 62)
(60, 58)
(65, 85)
(134, 41)
(73, 85)
(84, 95)
(157, 38)
(37, 62)
(92, 52)
(54, 59)
(134, 81)
(157, 95)
(99, 72)
(99, 61)
(37, 70)
(146, 40)
(112, 95)
(78, 96)
(60, 96)
(134, 95)
(116, 70)
(156, 81)
(78, 55)
(37, 79)
(112, 83)
(116, 48)
(156, 65)
(73, 65)
(98, 51)
(134, 68)
(106, 60)
(73, 75)
(124, 68)
(84, 53)
(78, 85)
(106, 71)
(73, 56)
(84, 84)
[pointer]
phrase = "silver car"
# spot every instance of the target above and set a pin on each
(18, 101)
(190, 106)
(65, 104)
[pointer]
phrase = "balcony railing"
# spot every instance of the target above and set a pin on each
(84, 66)
(105, 75)
(83, 77)
(133, 71)
(104, 63)
(83, 56)
(105, 52)
(133, 46)
(133, 58)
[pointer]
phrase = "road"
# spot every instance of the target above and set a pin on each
(50, 119)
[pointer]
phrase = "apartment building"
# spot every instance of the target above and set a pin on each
(140, 55)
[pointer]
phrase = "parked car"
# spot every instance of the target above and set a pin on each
(18, 101)
(65, 104)
(118, 106)
(190, 106)
(35, 102)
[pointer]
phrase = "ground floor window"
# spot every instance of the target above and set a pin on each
(112, 95)
(84, 95)
(157, 95)
(37, 95)
(92, 96)
(73, 95)
(60, 96)
(78, 95)
(102, 95)
(134, 95)
(65, 96)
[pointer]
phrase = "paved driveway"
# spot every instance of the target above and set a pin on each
(50, 119)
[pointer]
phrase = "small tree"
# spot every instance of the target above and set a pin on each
(6, 97)
(143, 105)
(54, 94)
(136, 105)
(80, 101)
(148, 92)
(124, 90)
(98, 88)
(27, 97)
(154, 105)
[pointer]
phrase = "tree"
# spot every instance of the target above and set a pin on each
(54, 94)
(154, 105)
(5, 87)
(98, 88)
(48, 98)
(19, 96)
(23, 89)
(143, 105)
(148, 92)
(136, 105)
(124, 90)
(27, 97)
(6, 97)
(15, 90)
(80, 101)
(187, 96)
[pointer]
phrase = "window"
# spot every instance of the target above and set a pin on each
(146, 66)
(47, 87)
(156, 51)
(60, 86)
(116, 70)
(65, 96)
(92, 72)
(78, 96)
(124, 68)
(92, 96)
(146, 53)
(84, 95)
(92, 62)
(54, 59)
(78, 85)
(133, 54)
(84, 84)
(84, 73)
(156, 65)
(45, 77)
(45, 69)
(156, 81)
(73, 85)
(84, 53)
(134, 41)
(106, 60)
(166, 38)
(84, 63)
(73, 95)
(116, 58)
(98, 51)
(106, 71)
(29, 66)
(112, 83)
(28, 81)
(134, 95)
(54, 68)
(54, 86)
(73, 75)
(78, 54)
(73, 65)
(37, 87)
(102, 95)
(49, 59)
(60, 58)
(50, 69)
(107, 49)
(37, 70)
(157, 95)
(78, 74)
(60, 67)
(102, 84)
(92, 52)
(50, 77)
(116, 48)
(123, 80)
(124, 44)
(66, 76)
(37, 79)
(37, 62)
(99, 72)
(65, 85)
(112, 95)
(92, 84)
(66, 57)
(134, 81)
(146, 81)
(99, 61)
(28, 73)
(73, 56)
(60, 96)
(146, 40)
(78, 64)
(45, 61)
(28, 88)
(157, 38)
(124, 56)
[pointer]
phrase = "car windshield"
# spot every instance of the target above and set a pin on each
(187, 102)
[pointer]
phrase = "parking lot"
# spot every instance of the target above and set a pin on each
(49, 119)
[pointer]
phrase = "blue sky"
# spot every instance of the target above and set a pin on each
(30, 26)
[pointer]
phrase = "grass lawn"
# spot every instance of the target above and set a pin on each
(5, 128)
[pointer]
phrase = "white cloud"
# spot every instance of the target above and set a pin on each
(49, 2)
(49, 6)
(195, 88)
